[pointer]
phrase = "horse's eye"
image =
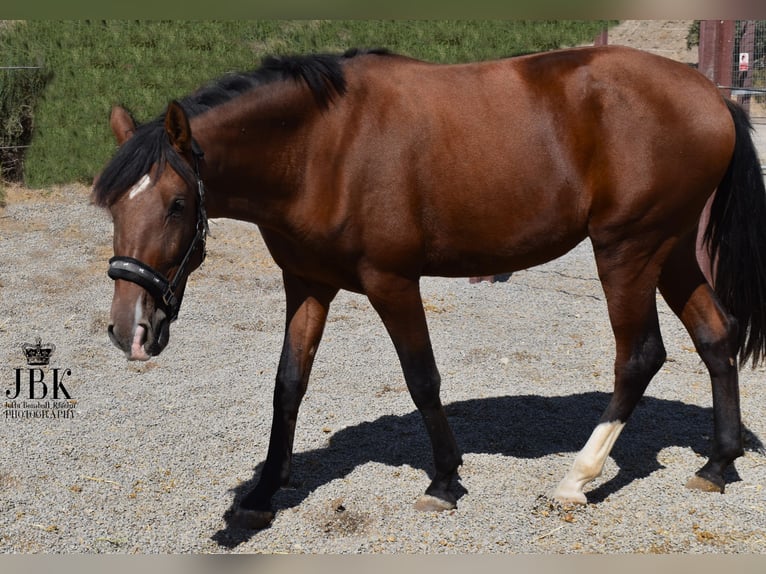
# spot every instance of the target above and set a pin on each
(177, 207)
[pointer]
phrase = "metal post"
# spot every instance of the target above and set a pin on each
(603, 38)
(715, 52)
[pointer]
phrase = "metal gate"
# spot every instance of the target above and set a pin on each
(732, 53)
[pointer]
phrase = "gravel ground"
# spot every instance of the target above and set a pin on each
(151, 455)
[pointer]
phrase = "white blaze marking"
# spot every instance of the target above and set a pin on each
(142, 185)
(138, 312)
(588, 463)
(137, 351)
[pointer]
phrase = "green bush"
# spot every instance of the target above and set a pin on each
(144, 64)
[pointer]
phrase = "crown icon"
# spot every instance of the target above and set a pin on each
(38, 354)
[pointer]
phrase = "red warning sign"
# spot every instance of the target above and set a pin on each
(744, 62)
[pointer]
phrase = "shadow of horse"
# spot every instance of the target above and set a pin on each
(527, 426)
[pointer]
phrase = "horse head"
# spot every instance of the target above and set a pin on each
(156, 200)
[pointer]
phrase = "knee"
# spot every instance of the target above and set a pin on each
(646, 359)
(425, 392)
(654, 354)
(289, 390)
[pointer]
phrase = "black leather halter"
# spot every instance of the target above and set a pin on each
(160, 287)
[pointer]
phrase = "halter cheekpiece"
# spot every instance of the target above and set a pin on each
(160, 287)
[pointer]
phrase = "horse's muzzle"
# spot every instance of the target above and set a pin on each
(142, 341)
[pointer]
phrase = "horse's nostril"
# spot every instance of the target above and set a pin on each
(113, 337)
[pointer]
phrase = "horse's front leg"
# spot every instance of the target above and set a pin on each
(307, 308)
(400, 306)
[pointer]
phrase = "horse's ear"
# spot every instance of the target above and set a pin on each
(122, 124)
(177, 127)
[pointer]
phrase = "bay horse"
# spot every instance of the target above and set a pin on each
(367, 170)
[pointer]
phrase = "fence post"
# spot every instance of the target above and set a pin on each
(715, 52)
(603, 37)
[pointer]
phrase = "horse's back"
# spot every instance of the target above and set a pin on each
(500, 165)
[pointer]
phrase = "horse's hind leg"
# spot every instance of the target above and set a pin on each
(714, 334)
(630, 287)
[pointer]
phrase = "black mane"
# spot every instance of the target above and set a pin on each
(322, 73)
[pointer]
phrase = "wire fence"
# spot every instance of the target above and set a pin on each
(19, 86)
(748, 74)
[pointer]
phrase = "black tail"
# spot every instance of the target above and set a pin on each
(736, 235)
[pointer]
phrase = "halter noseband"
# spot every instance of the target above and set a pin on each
(162, 289)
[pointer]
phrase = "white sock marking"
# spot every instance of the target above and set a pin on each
(588, 463)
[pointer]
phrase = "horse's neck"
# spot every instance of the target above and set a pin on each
(252, 152)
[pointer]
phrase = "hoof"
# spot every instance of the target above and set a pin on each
(546, 505)
(428, 503)
(251, 519)
(568, 496)
(698, 483)
(570, 500)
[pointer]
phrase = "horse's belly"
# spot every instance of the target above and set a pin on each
(492, 251)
